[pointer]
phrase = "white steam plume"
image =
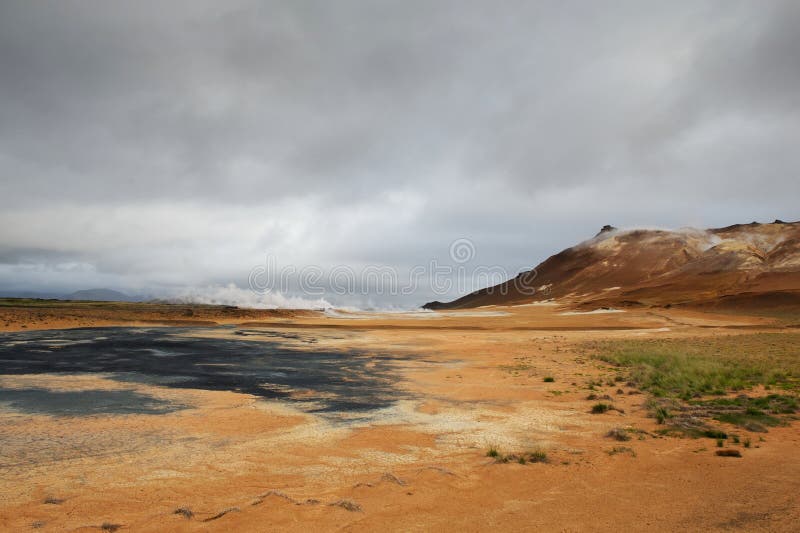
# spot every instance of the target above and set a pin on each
(232, 295)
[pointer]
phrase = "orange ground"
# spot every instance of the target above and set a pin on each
(419, 465)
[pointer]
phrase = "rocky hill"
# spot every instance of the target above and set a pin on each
(737, 266)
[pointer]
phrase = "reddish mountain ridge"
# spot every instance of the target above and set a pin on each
(742, 265)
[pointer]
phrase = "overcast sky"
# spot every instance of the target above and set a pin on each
(166, 147)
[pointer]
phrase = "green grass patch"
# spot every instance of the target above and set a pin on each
(772, 403)
(688, 379)
(753, 414)
(687, 368)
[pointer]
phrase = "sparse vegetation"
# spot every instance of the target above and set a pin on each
(686, 368)
(661, 414)
(535, 456)
(621, 449)
(600, 408)
(522, 364)
(681, 375)
(619, 434)
(752, 414)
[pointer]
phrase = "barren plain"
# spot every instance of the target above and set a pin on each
(519, 418)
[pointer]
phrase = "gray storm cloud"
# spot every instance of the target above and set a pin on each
(159, 147)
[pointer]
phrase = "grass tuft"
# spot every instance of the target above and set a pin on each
(600, 408)
(536, 456)
(621, 449)
(661, 414)
(619, 434)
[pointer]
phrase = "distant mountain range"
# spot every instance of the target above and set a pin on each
(96, 295)
(99, 295)
(744, 265)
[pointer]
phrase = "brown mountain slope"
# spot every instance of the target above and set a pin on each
(738, 265)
